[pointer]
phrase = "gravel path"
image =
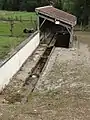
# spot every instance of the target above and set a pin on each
(62, 92)
(67, 81)
(66, 66)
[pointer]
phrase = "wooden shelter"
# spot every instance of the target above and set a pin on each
(57, 22)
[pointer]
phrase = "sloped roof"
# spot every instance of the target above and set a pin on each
(57, 14)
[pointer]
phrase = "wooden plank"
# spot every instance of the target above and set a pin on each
(42, 23)
(46, 18)
(52, 20)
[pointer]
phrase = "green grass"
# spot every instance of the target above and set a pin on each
(4, 28)
(7, 43)
(18, 27)
(13, 14)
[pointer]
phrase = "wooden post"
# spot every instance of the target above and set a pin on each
(38, 22)
(20, 18)
(71, 38)
(42, 23)
(31, 19)
(11, 27)
(16, 18)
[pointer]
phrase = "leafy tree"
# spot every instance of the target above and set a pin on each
(67, 5)
(1, 4)
(81, 10)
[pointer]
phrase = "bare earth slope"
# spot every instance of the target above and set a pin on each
(66, 81)
(62, 92)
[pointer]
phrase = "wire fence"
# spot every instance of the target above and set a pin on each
(12, 33)
(15, 26)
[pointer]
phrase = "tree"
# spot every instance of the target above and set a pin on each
(58, 4)
(81, 10)
(1, 4)
(67, 5)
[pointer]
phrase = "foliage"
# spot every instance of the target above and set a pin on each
(80, 8)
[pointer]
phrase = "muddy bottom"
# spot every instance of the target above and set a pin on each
(62, 92)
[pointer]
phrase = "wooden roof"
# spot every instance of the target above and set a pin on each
(57, 14)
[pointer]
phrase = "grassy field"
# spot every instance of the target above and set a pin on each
(14, 14)
(8, 43)
(18, 27)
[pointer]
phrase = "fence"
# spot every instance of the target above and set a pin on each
(15, 26)
(12, 33)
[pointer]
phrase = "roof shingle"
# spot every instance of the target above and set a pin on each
(57, 14)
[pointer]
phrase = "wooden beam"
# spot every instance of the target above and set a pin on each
(69, 30)
(38, 23)
(53, 20)
(71, 38)
(66, 26)
(46, 18)
(42, 23)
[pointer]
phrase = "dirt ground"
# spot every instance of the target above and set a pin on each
(63, 90)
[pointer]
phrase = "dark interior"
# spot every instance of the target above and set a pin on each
(62, 40)
(59, 32)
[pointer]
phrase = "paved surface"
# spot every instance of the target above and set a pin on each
(62, 92)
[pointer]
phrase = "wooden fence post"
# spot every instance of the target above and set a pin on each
(11, 27)
(20, 18)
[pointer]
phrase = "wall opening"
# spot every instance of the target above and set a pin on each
(62, 40)
(60, 33)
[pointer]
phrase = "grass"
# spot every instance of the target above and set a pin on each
(7, 43)
(13, 14)
(18, 27)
